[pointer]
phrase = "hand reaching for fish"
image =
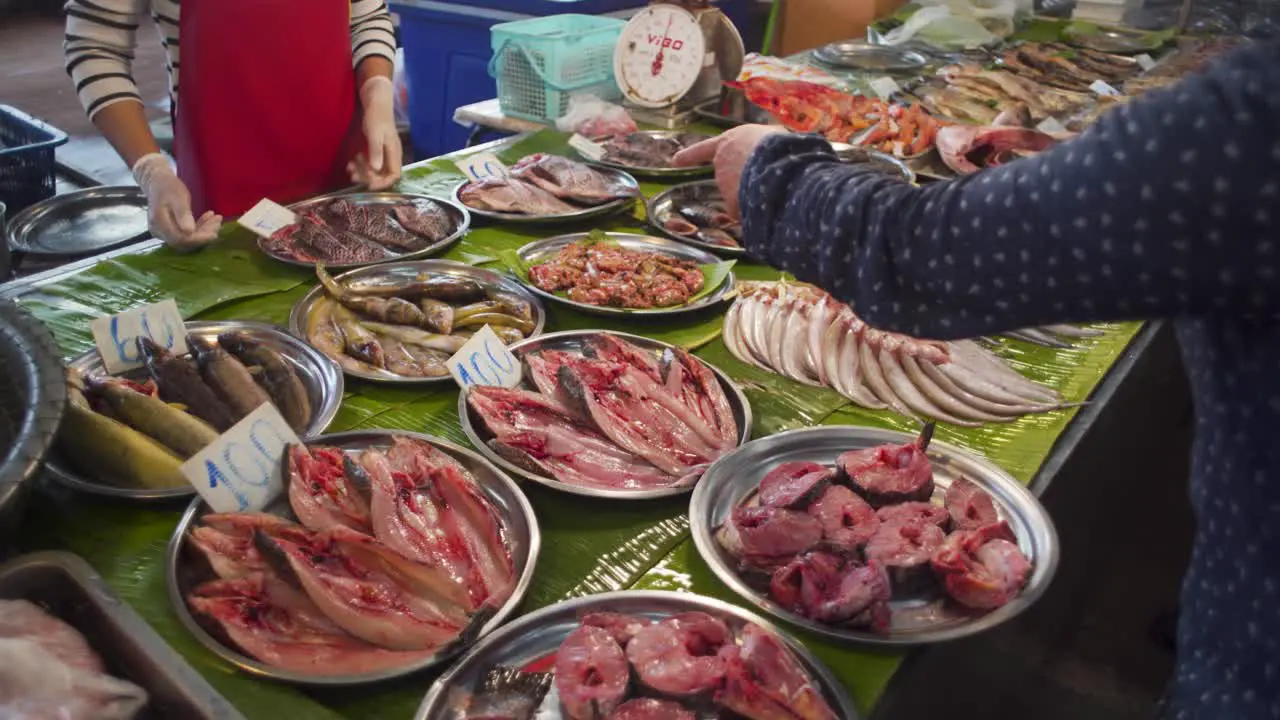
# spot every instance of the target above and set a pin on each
(729, 152)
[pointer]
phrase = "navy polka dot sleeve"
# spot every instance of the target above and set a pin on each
(1167, 205)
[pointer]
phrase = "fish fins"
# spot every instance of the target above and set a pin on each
(359, 478)
(275, 557)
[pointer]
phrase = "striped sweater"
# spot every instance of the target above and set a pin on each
(101, 35)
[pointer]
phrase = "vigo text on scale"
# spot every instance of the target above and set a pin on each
(673, 56)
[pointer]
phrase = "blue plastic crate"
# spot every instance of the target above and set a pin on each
(540, 63)
(28, 173)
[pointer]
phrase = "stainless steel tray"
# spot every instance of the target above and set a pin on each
(917, 620)
(65, 586)
(572, 340)
(854, 55)
(402, 272)
(541, 250)
(539, 634)
(666, 173)
(184, 569)
(461, 224)
(586, 213)
(81, 222)
(856, 154)
(662, 205)
(317, 372)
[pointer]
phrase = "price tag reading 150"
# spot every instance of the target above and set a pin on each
(116, 336)
(242, 471)
(485, 360)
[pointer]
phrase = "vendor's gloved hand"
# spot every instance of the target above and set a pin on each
(381, 169)
(729, 152)
(169, 206)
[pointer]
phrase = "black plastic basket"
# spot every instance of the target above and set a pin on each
(28, 173)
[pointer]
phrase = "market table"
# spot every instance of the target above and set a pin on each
(588, 546)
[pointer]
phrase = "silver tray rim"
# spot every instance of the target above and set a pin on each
(21, 223)
(490, 278)
(508, 488)
(1044, 540)
(457, 209)
(594, 211)
(650, 171)
(825, 55)
(671, 194)
(634, 601)
(652, 243)
(331, 389)
(736, 398)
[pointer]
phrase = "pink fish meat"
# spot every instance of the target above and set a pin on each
(651, 709)
(908, 511)
(848, 522)
(622, 627)
(226, 540)
(967, 149)
(982, 568)
(765, 681)
(793, 484)
(513, 195)
(321, 491)
(686, 378)
(679, 656)
(571, 180)
(969, 506)
(828, 589)
(591, 673)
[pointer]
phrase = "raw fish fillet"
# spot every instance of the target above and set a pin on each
(513, 196)
(425, 218)
(764, 681)
(678, 656)
(622, 627)
(571, 180)
(967, 149)
(322, 491)
(226, 540)
(591, 674)
(969, 506)
(370, 223)
(651, 709)
(983, 568)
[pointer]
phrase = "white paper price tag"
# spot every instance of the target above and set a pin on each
(587, 148)
(242, 471)
(117, 335)
(482, 166)
(884, 87)
(1051, 126)
(1101, 88)
(1144, 61)
(267, 217)
(485, 360)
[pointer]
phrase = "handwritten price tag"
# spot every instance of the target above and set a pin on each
(267, 217)
(1051, 126)
(1144, 61)
(482, 166)
(1101, 88)
(885, 87)
(242, 471)
(485, 360)
(117, 335)
(587, 148)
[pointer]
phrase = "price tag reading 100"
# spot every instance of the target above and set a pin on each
(242, 470)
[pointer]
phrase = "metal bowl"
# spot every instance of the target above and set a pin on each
(83, 222)
(461, 224)
(184, 569)
(925, 617)
(403, 272)
(857, 155)
(586, 213)
(572, 340)
(538, 635)
(665, 172)
(542, 250)
(662, 205)
(317, 372)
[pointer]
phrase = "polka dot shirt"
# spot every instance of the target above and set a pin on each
(1168, 207)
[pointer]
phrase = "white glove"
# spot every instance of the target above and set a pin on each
(169, 206)
(381, 169)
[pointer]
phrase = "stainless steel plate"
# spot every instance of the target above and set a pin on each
(81, 222)
(572, 341)
(856, 155)
(1113, 40)
(461, 224)
(586, 213)
(539, 634)
(856, 55)
(662, 205)
(542, 250)
(320, 375)
(917, 620)
(399, 273)
(665, 172)
(185, 568)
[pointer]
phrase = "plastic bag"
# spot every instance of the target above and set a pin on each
(400, 82)
(589, 116)
(35, 684)
(958, 24)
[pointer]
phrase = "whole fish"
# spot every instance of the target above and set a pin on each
(182, 433)
(399, 360)
(704, 215)
(390, 309)
(425, 218)
(274, 373)
(113, 452)
(438, 316)
(228, 377)
(413, 336)
(324, 244)
(324, 335)
(447, 288)
(570, 180)
(495, 319)
(358, 341)
(180, 382)
(513, 195)
(320, 490)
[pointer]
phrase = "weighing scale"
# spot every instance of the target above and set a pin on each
(672, 56)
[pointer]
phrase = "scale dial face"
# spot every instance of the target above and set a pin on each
(659, 56)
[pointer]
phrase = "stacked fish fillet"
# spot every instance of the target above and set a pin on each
(956, 382)
(543, 185)
(613, 417)
(399, 557)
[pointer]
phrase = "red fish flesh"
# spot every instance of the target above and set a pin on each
(425, 218)
(983, 568)
(544, 369)
(536, 433)
(371, 223)
(651, 709)
(282, 627)
(321, 490)
(888, 474)
(622, 627)
(773, 532)
(967, 149)
(513, 195)
(904, 550)
(570, 180)
(828, 589)
(848, 522)
(912, 511)
(591, 673)
(603, 273)
(765, 681)
(794, 484)
(508, 694)
(311, 240)
(613, 348)
(226, 540)
(679, 656)
(686, 378)
(969, 506)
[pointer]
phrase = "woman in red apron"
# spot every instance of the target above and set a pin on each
(267, 110)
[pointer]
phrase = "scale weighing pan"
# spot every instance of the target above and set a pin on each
(84, 222)
(855, 55)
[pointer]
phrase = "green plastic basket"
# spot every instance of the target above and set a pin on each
(539, 63)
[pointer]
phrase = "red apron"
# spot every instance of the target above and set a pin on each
(267, 101)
